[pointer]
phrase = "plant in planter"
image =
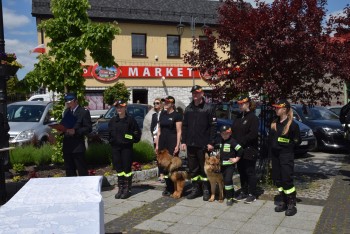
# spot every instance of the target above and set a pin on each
(9, 64)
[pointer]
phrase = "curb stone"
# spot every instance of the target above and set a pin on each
(137, 176)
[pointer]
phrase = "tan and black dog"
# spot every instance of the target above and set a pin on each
(172, 165)
(212, 168)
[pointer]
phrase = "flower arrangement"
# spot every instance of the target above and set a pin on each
(9, 59)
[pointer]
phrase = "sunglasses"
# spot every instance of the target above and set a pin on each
(156, 103)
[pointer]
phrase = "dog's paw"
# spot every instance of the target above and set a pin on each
(221, 201)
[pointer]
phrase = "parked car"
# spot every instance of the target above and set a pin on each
(27, 120)
(138, 111)
(308, 140)
(97, 114)
(324, 123)
(335, 109)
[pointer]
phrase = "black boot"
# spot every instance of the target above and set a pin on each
(229, 194)
(282, 205)
(169, 187)
(120, 187)
(196, 191)
(206, 190)
(291, 204)
(127, 188)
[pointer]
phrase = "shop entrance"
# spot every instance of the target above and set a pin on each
(140, 96)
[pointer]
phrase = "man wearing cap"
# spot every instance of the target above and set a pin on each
(78, 126)
(123, 133)
(198, 136)
(284, 137)
(245, 131)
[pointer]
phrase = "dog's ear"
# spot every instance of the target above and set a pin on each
(218, 156)
(206, 156)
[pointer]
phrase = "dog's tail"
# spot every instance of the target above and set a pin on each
(176, 163)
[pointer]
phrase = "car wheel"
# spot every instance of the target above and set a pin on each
(43, 141)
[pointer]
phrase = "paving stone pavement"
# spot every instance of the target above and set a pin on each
(318, 175)
(322, 181)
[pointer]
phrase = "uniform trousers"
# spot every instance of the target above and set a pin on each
(283, 169)
(246, 169)
(122, 159)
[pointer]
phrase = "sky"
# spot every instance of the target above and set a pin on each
(21, 37)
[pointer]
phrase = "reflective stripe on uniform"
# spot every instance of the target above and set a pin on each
(127, 136)
(166, 176)
(283, 140)
(225, 163)
(280, 189)
(228, 187)
(128, 174)
(204, 179)
(121, 173)
(289, 191)
(227, 148)
(238, 147)
(196, 178)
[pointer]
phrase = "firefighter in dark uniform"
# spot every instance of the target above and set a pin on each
(230, 153)
(284, 137)
(245, 130)
(168, 136)
(123, 133)
(74, 137)
(198, 136)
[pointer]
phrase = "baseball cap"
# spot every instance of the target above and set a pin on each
(225, 128)
(69, 97)
(170, 99)
(196, 88)
(282, 104)
(243, 99)
(119, 103)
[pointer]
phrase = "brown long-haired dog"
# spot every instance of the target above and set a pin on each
(212, 168)
(172, 165)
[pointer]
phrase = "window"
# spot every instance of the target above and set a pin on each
(203, 43)
(138, 45)
(173, 45)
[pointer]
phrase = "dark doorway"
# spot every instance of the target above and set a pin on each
(140, 96)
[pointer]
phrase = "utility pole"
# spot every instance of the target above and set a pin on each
(3, 110)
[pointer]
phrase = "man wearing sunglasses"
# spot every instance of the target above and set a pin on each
(77, 120)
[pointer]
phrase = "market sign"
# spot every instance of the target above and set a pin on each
(139, 72)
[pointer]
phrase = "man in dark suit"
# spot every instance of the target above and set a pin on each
(77, 120)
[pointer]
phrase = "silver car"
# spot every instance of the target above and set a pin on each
(29, 120)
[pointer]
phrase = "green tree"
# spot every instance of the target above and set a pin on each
(117, 91)
(71, 35)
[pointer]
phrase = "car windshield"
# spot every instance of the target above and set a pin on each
(25, 113)
(133, 111)
(110, 113)
(318, 113)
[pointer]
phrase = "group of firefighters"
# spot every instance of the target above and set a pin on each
(195, 133)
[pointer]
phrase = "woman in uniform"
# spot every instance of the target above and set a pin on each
(284, 136)
(123, 133)
(245, 130)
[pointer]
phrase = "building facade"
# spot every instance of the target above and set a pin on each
(149, 50)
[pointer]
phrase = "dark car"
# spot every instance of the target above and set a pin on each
(324, 123)
(335, 109)
(226, 114)
(138, 111)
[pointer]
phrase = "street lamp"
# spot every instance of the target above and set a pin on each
(180, 29)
